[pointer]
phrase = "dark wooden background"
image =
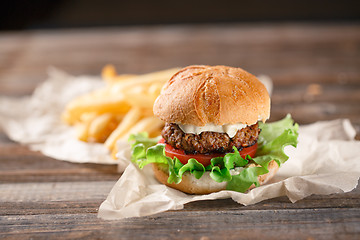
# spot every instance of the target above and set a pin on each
(316, 73)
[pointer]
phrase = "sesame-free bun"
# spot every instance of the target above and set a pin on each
(199, 95)
(205, 184)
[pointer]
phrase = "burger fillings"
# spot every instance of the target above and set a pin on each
(194, 160)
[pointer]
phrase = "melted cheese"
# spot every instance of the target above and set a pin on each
(230, 129)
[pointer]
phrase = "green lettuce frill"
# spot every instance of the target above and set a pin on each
(231, 168)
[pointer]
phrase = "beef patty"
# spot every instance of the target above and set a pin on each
(209, 142)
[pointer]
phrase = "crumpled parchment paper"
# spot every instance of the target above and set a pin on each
(35, 120)
(326, 161)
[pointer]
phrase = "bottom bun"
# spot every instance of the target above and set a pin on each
(205, 184)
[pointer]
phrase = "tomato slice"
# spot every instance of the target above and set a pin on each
(204, 159)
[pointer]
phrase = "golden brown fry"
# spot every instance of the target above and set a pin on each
(102, 126)
(141, 101)
(156, 132)
(99, 124)
(147, 112)
(83, 127)
(143, 95)
(144, 80)
(108, 71)
(114, 151)
(109, 74)
(155, 89)
(128, 121)
(149, 124)
(122, 107)
(81, 132)
(119, 78)
(87, 104)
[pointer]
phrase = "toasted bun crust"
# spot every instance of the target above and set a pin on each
(199, 95)
(205, 184)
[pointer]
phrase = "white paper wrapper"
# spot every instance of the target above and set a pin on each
(326, 161)
(35, 121)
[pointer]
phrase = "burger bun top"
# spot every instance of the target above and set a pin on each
(200, 95)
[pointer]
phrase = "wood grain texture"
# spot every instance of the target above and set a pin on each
(293, 55)
(43, 198)
(19, 164)
(245, 224)
(320, 217)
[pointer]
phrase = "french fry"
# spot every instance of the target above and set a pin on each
(114, 151)
(99, 124)
(145, 96)
(110, 75)
(102, 126)
(156, 132)
(143, 80)
(81, 132)
(128, 121)
(155, 89)
(75, 109)
(122, 107)
(83, 127)
(108, 72)
(142, 101)
(119, 78)
(147, 112)
(148, 124)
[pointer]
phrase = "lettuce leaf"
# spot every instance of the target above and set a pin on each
(272, 140)
(139, 149)
(245, 179)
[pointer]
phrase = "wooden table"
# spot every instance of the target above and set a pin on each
(316, 74)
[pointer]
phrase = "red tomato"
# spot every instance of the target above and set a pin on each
(204, 159)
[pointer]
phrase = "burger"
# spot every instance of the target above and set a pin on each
(215, 137)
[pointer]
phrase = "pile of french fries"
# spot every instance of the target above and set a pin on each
(122, 107)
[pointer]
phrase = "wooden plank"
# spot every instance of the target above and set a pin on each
(19, 164)
(59, 175)
(311, 112)
(88, 201)
(54, 191)
(300, 94)
(90, 205)
(278, 217)
(269, 224)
